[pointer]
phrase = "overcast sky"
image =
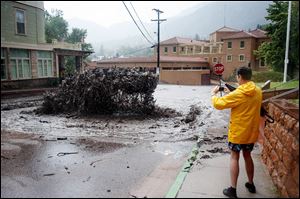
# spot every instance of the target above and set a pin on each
(106, 13)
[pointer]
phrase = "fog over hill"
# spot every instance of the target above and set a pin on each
(201, 20)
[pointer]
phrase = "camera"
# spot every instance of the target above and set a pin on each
(221, 88)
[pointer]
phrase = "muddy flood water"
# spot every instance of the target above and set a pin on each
(101, 156)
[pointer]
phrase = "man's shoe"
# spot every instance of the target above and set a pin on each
(230, 192)
(251, 188)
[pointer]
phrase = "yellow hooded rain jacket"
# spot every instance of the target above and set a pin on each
(245, 103)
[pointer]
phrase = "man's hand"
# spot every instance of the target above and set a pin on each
(215, 90)
(226, 90)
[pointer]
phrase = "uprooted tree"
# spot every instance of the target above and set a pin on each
(104, 91)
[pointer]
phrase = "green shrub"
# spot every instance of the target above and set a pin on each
(268, 75)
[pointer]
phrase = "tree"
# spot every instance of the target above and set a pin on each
(78, 36)
(55, 26)
(274, 51)
(261, 26)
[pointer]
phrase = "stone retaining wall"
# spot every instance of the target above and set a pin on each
(281, 150)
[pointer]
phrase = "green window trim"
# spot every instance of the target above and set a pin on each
(3, 65)
(45, 64)
(20, 21)
(45, 68)
(20, 68)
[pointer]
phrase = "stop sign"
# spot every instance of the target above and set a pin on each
(219, 69)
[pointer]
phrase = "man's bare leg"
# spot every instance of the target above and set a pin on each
(234, 167)
(249, 165)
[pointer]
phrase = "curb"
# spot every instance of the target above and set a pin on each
(172, 193)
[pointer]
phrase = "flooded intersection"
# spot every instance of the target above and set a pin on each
(97, 156)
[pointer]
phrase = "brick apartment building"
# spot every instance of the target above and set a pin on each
(231, 47)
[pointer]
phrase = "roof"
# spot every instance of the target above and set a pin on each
(180, 40)
(90, 64)
(243, 34)
(226, 29)
(154, 60)
(259, 33)
(36, 4)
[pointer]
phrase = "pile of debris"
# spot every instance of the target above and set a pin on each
(103, 91)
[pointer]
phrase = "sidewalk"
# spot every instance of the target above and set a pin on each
(25, 92)
(209, 177)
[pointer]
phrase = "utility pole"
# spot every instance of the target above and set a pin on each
(158, 41)
(286, 60)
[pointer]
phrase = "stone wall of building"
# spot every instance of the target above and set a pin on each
(281, 150)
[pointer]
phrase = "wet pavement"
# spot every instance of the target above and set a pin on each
(97, 156)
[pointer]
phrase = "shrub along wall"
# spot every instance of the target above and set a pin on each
(281, 150)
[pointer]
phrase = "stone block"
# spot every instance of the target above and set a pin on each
(274, 157)
(284, 192)
(279, 149)
(270, 165)
(273, 141)
(287, 140)
(281, 170)
(295, 149)
(289, 122)
(295, 174)
(278, 130)
(291, 187)
(287, 158)
(282, 118)
(277, 114)
(275, 178)
(295, 130)
(271, 109)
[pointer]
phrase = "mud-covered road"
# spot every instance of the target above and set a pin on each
(101, 156)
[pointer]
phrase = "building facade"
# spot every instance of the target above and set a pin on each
(173, 69)
(231, 47)
(27, 61)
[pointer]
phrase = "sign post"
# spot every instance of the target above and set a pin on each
(219, 69)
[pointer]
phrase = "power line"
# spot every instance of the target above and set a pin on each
(141, 21)
(137, 24)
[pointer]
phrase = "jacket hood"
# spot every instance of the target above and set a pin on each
(248, 88)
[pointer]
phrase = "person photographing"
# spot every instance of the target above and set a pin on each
(245, 103)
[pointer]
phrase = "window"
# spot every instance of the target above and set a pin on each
(242, 44)
(20, 64)
(3, 65)
(206, 49)
(241, 58)
(166, 49)
(215, 60)
(20, 21)
(229, 58)
(262, 62)
(182, 49)
(206, 58)
(174, 49)
(44, 64)
(229, 44)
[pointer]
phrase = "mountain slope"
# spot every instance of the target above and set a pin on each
(201, 20)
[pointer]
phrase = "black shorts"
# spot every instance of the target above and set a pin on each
(239, 147)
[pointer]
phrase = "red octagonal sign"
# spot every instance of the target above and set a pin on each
(219, 69)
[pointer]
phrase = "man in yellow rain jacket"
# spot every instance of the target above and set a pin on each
(245, 103)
